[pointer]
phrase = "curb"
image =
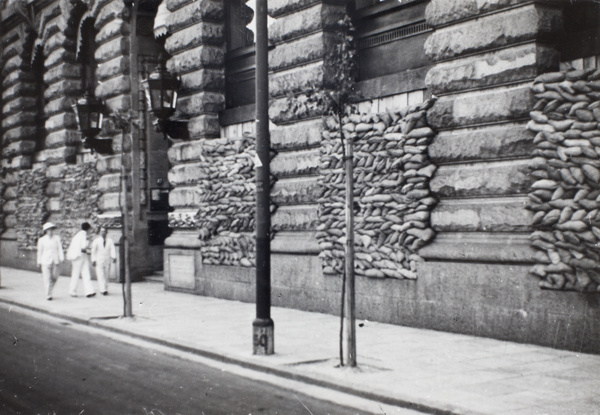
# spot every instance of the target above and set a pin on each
(286, 374)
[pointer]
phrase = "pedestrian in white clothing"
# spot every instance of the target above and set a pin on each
(78, 254)
(103, 254)
(49, 255)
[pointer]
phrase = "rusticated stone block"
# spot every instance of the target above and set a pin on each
(185, 197)
(114, 10)
(186, 13)
(300, 51)
(58, 56)
(18, 104)
(112, 49)
(19, 133)
(114, 87)
(278, 8)
(63, 71)
(13, 78)
(502, 104)
(112, 29)
(110, 202)
(482, 215)
(198, 34)
(20, 118)
(17, 163)
(109, 182)
(298, 135)
(203, 80)
(14, 63)
(296, 163)
(18, 90)
(309, 20)
(57, 41)
(10, 193)
(296, 79)
(113, 67)
(56, 155)
(499, 67)
(290, 218)
(491, 142)
(301, 107)
(204, 126)
(63, 120)
(187, 151)
(54, 189)
(62, 88)
(21, 147)
(118, 103)
(482, 179)
(494, 31)
(300, 190)
(108, 164)
(201, 103)
(441, 12)
(204, 56)
(186, 173)
(59, 104)
(9, 206)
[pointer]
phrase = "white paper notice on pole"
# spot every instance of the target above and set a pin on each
(257, 162)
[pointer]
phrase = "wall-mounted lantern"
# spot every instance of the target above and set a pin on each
(161, 89)
(90, 115)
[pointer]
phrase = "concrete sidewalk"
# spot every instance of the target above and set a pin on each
(431, 371)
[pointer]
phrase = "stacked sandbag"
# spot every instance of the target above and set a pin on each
(565, 197)
(31, 204)
(226, 212)
(393, 201)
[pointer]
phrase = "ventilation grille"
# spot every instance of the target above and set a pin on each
(393, 35)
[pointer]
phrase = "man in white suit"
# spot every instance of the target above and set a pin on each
(78, 254)
(49, 255)
(103, 254)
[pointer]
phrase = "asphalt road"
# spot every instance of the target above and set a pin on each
(50, 366)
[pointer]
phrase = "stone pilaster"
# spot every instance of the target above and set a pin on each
(486, 55)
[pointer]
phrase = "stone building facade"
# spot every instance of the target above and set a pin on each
(475, 125)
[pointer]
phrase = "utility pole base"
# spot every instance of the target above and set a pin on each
(263, 331)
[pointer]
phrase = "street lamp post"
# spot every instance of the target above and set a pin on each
(262, 326)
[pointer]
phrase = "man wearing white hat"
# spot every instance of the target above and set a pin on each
(78, 254)
(49, 255)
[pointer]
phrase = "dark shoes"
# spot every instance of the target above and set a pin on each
(104, 292)
(90, 295)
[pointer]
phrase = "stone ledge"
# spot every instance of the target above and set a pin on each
(482, 179)
(480, 247)
(482, 143)
(296, 163)
(297, 135)
(482, 215)
(203, 56)
(295, 243)
(302, 190)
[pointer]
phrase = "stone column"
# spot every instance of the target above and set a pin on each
(304, 34)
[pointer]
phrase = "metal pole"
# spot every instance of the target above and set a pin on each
(349, 263)
(262, 326)
(125, 224)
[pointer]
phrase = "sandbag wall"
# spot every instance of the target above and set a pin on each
(30, 205)
(226, 211)
(79, 199)
(391, 186)
(565, 197)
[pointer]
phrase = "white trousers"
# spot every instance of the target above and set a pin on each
(81, 266)
(50, 276)
(102, 273)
